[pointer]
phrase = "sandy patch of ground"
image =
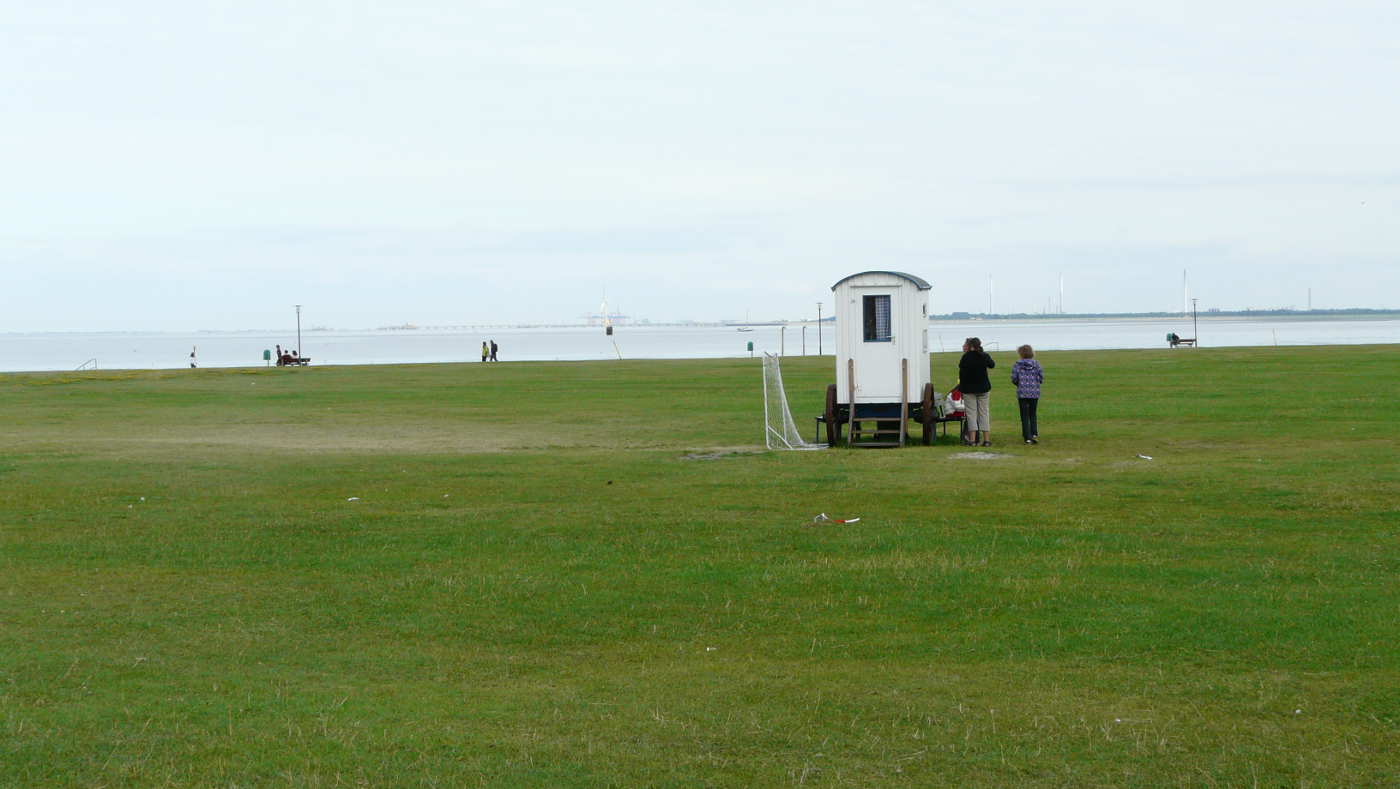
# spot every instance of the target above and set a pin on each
(978, 456)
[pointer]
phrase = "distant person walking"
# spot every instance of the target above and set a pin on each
(976, 389)
(494, 348)
(485, 351)
(1027, 375)
(194, 362)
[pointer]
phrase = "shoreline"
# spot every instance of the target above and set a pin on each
(58, 352)
(697, 359)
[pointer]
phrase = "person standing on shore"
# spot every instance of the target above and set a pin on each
(494, 348)
(976, 389)
(485, 351)
(1027, 375)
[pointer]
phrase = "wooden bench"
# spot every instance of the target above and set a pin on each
(956, 416)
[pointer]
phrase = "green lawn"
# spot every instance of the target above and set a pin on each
(588, 574)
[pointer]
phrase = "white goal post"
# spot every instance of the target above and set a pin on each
(778, 430)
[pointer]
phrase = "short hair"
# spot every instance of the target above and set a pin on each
(1026, 351)
(974, 342)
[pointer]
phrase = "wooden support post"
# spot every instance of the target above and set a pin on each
(851, 390)
(903, 400)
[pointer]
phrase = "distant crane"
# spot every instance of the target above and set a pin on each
(604, 317)
(607, 325)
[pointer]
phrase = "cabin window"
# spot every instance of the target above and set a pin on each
(877, 318)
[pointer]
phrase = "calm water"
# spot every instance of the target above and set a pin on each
(67, 351)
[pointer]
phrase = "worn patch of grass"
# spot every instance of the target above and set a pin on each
(580, 574)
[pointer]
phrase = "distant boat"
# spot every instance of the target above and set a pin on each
(743, 328)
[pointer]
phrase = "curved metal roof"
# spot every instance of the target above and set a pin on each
(923, 285)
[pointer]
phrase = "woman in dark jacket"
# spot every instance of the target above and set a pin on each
(976, 388)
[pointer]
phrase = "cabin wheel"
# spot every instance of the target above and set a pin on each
(928, 413)
(833, 424)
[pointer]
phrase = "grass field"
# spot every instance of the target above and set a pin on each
(586, 574)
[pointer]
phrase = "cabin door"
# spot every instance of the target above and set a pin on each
(876, 347)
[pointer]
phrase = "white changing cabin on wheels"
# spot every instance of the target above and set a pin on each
(882, 364)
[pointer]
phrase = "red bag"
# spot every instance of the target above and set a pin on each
(954, 403)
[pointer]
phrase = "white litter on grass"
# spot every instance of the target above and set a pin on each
(1297, 712)
(711, 649)
(143, 498)
(353, 498)
(1145, 457)
(824, 518)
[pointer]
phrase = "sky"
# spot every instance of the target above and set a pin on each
(182, 165)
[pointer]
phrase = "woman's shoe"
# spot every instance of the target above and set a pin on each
(986, 443)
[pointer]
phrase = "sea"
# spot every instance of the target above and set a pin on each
(48, 351)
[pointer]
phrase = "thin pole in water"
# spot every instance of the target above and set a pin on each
(299, 353)
(1195, 333)
(819, 328)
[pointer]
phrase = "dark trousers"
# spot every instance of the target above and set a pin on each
(1029, 429)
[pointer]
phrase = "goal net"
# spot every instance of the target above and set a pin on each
(778, 430)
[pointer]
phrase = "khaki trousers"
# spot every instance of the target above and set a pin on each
(979, 415)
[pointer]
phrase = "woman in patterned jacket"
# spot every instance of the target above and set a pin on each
(1028, 377)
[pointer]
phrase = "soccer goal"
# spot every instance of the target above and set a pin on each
(778, 430)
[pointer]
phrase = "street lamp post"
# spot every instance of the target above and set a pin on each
(299, 350)
(819, 328)
(1194, 331)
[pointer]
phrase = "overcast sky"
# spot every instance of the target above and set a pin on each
(184, 164)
